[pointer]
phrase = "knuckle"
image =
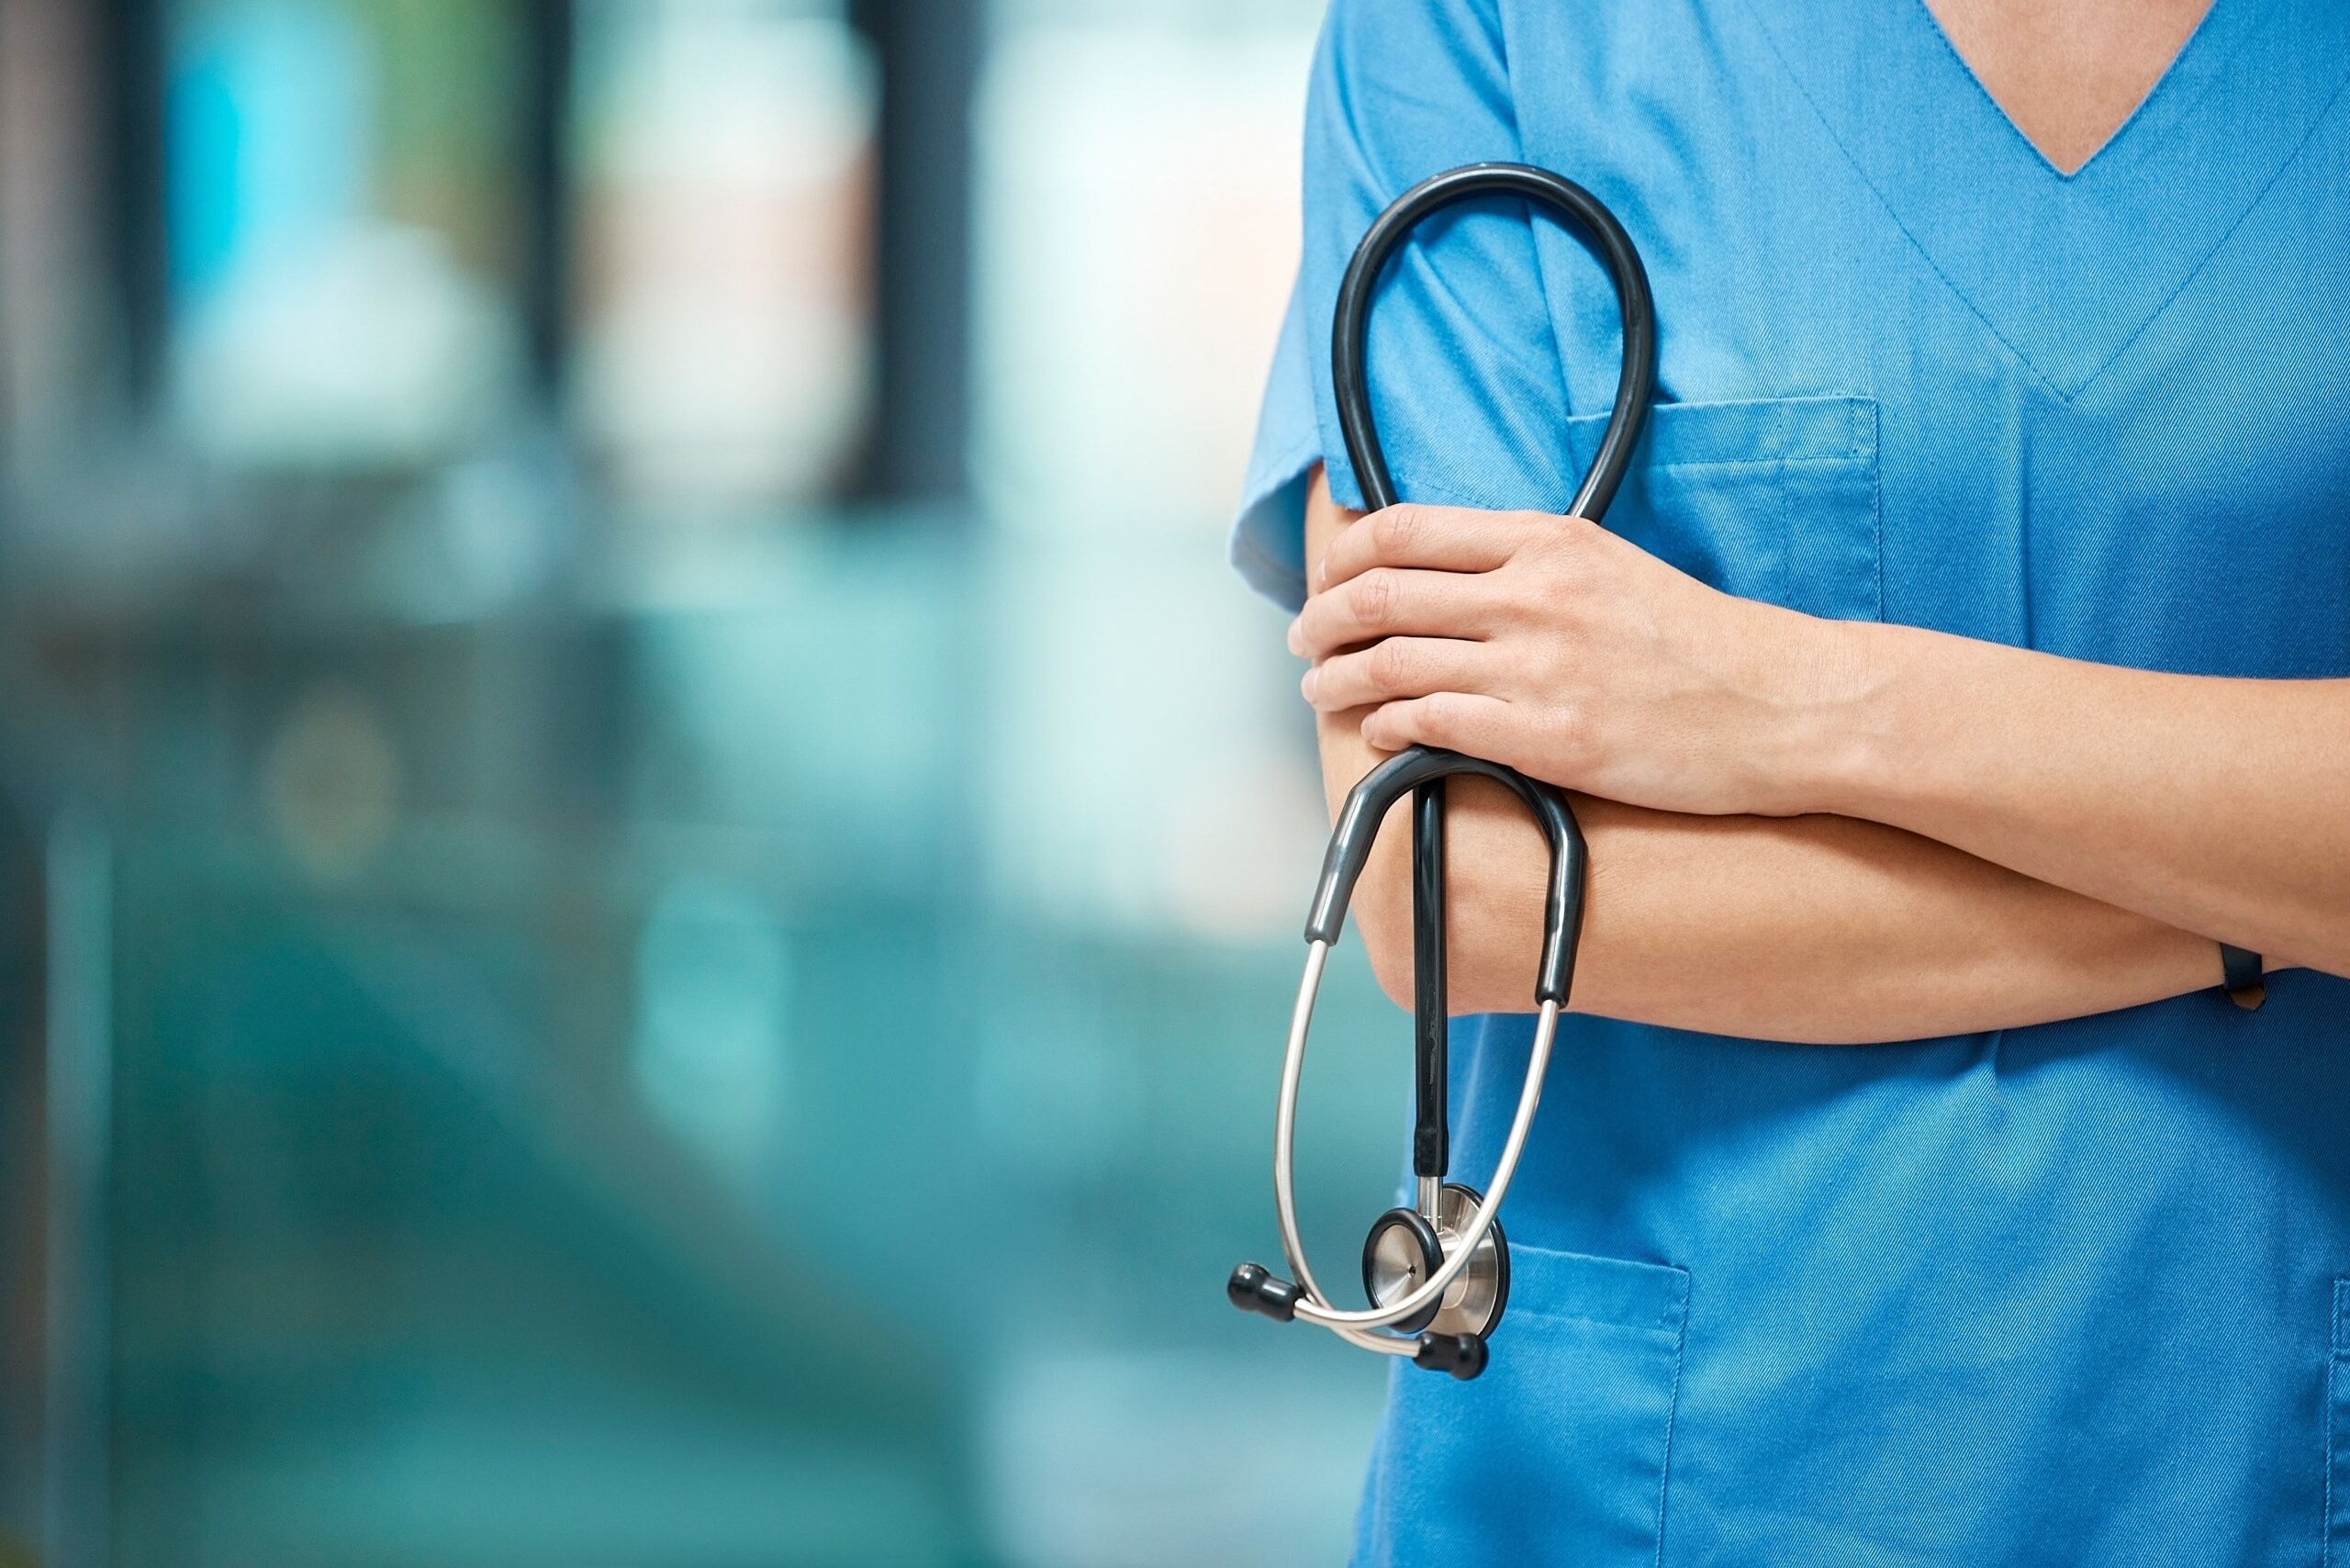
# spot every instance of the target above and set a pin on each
(1372, 598)
(1562, 554)
(1438, 715)
(1562, 540)
(1583, 538)
(1390, 666)
(1399, 529)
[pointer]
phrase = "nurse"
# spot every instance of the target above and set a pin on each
(1962, 667)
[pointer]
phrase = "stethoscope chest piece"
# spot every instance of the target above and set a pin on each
(1405, 1249)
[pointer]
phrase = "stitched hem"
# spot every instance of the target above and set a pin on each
(1671, 1415)
(1268, 574)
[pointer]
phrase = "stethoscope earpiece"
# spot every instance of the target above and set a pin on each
(1437, 1273)
(1462, 1355)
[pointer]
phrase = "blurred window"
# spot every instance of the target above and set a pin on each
(1137, 233)
(726, 151)
(342, 200)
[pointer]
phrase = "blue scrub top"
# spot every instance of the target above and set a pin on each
(2073, 1295)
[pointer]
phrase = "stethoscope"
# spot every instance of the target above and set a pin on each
(1437, 1273)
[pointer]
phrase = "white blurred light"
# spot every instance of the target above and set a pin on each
(1138, 229)
(723, 352)
(364, 345)
(1138, 232)
(313, 331)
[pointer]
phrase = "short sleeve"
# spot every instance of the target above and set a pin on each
(1269, 535)
(1463, 359)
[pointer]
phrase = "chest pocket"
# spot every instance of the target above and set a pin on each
(1772, 498)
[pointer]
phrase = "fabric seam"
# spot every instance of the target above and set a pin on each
(1672, 1417)
(2316, 124)
(2113, 138)
(1246, 551)
(1259, 556)
(1442, 492)
(1290, 466)
(1539, 1315)
(1749, 462)
(1788, 567)
(2055, 388)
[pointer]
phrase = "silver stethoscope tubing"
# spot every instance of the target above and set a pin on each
(1451, 1242)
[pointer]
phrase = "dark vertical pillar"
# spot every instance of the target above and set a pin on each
(130, 135)
(545, 165)
(10, 349)
(929, 56)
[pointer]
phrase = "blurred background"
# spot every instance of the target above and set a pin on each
(649, 867)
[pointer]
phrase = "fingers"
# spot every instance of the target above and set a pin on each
(1456, 721)
(1399, 666)
(1442, 539)
(1387, 601)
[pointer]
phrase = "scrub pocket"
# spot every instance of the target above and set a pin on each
(1773, 499)
(1559, 1452)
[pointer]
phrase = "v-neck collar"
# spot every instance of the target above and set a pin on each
(2120, 131)
(2065, 270)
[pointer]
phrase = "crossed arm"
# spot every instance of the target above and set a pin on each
(1809, 830)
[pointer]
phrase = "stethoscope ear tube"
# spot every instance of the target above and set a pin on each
(1635, 379)
(1367, 807)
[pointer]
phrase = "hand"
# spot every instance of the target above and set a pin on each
(1551, 646)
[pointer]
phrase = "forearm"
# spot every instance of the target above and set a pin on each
(1818, 929)
(2208, 805)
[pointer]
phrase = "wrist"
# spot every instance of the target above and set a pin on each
(1843, 758)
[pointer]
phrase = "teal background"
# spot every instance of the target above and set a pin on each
(582, 986)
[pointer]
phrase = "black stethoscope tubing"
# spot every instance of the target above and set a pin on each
(1422, 771)
(1350, 379)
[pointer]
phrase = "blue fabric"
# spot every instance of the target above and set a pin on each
(2069, 1295)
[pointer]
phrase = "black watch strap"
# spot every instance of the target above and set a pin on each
(2240, 972)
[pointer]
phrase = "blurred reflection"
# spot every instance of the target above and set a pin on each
(710, 1051)
(331, 781)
